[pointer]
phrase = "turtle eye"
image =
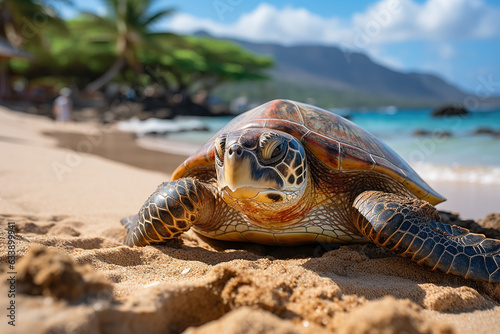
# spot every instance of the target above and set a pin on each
(277, 150)
(220, 147)
(273, 149)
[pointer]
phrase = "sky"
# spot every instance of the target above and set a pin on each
(458, 40)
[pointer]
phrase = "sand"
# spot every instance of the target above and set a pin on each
(73, 274)
(471, 200)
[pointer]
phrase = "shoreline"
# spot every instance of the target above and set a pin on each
(120, 147)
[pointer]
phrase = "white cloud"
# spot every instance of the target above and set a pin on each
(440, 22)
(269, 24)
(387, 21)
(434, 20)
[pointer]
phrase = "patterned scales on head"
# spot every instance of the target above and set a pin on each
(287, 173)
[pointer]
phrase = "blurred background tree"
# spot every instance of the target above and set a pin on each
(128, 24)
(123, 47)
(65, 60)
(22, 22)
(202, 63)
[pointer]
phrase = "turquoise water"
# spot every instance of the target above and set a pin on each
(462, 148)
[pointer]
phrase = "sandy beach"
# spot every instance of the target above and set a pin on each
(60, 210)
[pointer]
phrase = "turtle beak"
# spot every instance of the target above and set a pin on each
(237, 168)
(242, 176)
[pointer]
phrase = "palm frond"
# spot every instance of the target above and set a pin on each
(111, 7)
(49, 3)
(151, 19)
(98, 21)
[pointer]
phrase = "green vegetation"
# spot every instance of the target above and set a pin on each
(90, 51)
(21, 21)
(203, 63)
(128, 25)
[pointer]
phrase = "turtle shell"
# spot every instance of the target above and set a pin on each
(338, 142)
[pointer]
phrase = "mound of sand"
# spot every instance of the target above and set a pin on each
(74, 275)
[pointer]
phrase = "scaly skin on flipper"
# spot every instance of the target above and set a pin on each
(172, 209)
(412, 228)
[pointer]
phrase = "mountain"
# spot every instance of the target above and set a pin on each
(331, 77)
(353, 71)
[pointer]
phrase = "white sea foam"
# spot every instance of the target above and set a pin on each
(457, 173)
(155, 125)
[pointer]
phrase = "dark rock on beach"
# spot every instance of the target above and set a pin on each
(442, 134)
(450, 110)
(421, 132)
(486, 131)
(435, 134)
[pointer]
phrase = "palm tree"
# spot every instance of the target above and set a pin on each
(128, 24)
(23, 21)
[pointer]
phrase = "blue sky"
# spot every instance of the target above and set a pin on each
(456, 39)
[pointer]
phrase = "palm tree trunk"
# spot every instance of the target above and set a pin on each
(4, 81)
(107, 76)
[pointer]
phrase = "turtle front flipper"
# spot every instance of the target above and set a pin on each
(412, 228)
(172, 209)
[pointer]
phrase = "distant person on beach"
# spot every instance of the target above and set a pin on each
(63, 106)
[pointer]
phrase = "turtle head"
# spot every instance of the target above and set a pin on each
(259, 167)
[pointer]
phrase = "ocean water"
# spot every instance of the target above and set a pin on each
(451, 151)
(462, 147)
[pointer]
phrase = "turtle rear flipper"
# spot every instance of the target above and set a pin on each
(172, 209)
(130, 224)
(412, 228)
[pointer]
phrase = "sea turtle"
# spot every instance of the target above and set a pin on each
(287, 173)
